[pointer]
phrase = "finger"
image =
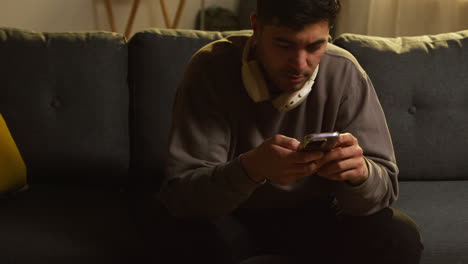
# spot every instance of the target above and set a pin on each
(342, 176)
(285, 142)
(341, 154)
(346, 140)
(340, 166)
(305, 157)
(304, 169)
(294, 177)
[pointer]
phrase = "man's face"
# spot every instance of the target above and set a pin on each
(289, 57)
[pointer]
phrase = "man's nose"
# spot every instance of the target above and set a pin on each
(299, 60)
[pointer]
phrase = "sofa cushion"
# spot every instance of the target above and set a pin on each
(65, 98)
(12, 168)
(71, 225)
(440, 208)
(422, 84)
(158, 56)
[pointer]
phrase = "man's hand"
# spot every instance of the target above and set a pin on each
(278, 161)
(345, 162)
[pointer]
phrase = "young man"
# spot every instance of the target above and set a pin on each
(243, 104)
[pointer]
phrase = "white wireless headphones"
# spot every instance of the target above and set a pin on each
(257, 88)
(252, 76)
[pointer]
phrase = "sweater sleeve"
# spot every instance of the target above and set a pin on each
(361, 115)
(200, 182)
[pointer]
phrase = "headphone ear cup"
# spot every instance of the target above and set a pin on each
(254, 81)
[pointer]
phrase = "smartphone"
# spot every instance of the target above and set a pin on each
(319, 142)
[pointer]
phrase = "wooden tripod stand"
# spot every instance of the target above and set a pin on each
(131, 18)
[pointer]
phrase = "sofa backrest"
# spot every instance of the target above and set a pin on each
(65, 99)
(157, 61)
(422, 83)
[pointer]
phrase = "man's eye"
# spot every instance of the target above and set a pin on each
(313, 48)
(283, 46)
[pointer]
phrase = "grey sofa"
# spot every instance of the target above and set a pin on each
(90, 113)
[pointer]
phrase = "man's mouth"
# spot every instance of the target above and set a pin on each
(294, 78)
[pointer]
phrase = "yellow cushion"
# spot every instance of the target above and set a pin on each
(12, 167)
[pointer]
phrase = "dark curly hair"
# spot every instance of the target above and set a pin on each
(296, 14)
